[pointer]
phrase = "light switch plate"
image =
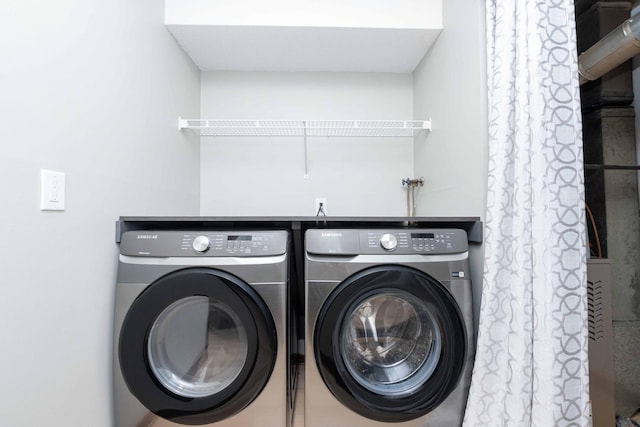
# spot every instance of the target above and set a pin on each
(52, 190)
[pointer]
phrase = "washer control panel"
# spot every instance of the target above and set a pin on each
(203, 243)
(415, 241)
(376, 242)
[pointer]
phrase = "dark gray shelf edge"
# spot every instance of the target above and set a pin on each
(472, 225)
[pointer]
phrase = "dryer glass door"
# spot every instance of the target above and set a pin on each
(390, 343)
(197, 347)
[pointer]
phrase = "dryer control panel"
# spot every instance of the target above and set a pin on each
(203, 243)
(387, 242)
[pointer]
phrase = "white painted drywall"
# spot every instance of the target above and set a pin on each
(307, 13)
(265, 175)
(305, 35)
(91, 88)
(311, 49)
(450, 86)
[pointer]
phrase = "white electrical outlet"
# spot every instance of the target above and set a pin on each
(321, 206)
(52, 190)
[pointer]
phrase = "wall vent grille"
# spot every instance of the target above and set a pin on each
(596, 310)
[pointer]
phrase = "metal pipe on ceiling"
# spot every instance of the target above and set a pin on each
(618, 46)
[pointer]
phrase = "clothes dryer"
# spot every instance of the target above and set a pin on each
(200, 329)
(389, 327)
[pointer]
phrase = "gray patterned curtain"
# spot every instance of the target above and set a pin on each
(531, 365)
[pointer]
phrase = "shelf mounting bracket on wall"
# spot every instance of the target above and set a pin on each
(306, 155)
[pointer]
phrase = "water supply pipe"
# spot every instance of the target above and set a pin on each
(411, 196)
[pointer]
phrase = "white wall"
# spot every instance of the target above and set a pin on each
(311, 13)
(91, 88)
(450, 86)
(265, 176)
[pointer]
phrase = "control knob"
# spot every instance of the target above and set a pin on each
(388, 241)
(201, 244)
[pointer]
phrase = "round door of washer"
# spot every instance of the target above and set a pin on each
(390, 343)
(197, 346)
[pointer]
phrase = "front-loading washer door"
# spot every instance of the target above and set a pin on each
(390, 343)
(197, 346)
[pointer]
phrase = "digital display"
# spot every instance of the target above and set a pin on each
(422, 235)
(241, 238)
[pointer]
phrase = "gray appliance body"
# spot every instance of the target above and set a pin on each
(346, 272)
(159, 299)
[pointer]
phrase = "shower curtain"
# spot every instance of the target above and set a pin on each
(531, 365)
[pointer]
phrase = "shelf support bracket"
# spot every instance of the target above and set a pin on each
(182, 123)
(306, 164)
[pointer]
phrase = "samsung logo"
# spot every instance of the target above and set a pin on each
(147, 236)
(328, 234)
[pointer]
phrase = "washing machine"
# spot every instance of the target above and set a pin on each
(389, 327)
(200, 329)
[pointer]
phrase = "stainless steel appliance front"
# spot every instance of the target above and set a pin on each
(200, 329)
(389, 334)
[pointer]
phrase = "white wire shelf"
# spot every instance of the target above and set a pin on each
(306, 128)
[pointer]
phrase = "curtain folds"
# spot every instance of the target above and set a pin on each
(531, 365)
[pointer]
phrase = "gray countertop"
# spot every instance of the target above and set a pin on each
(472, 225)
